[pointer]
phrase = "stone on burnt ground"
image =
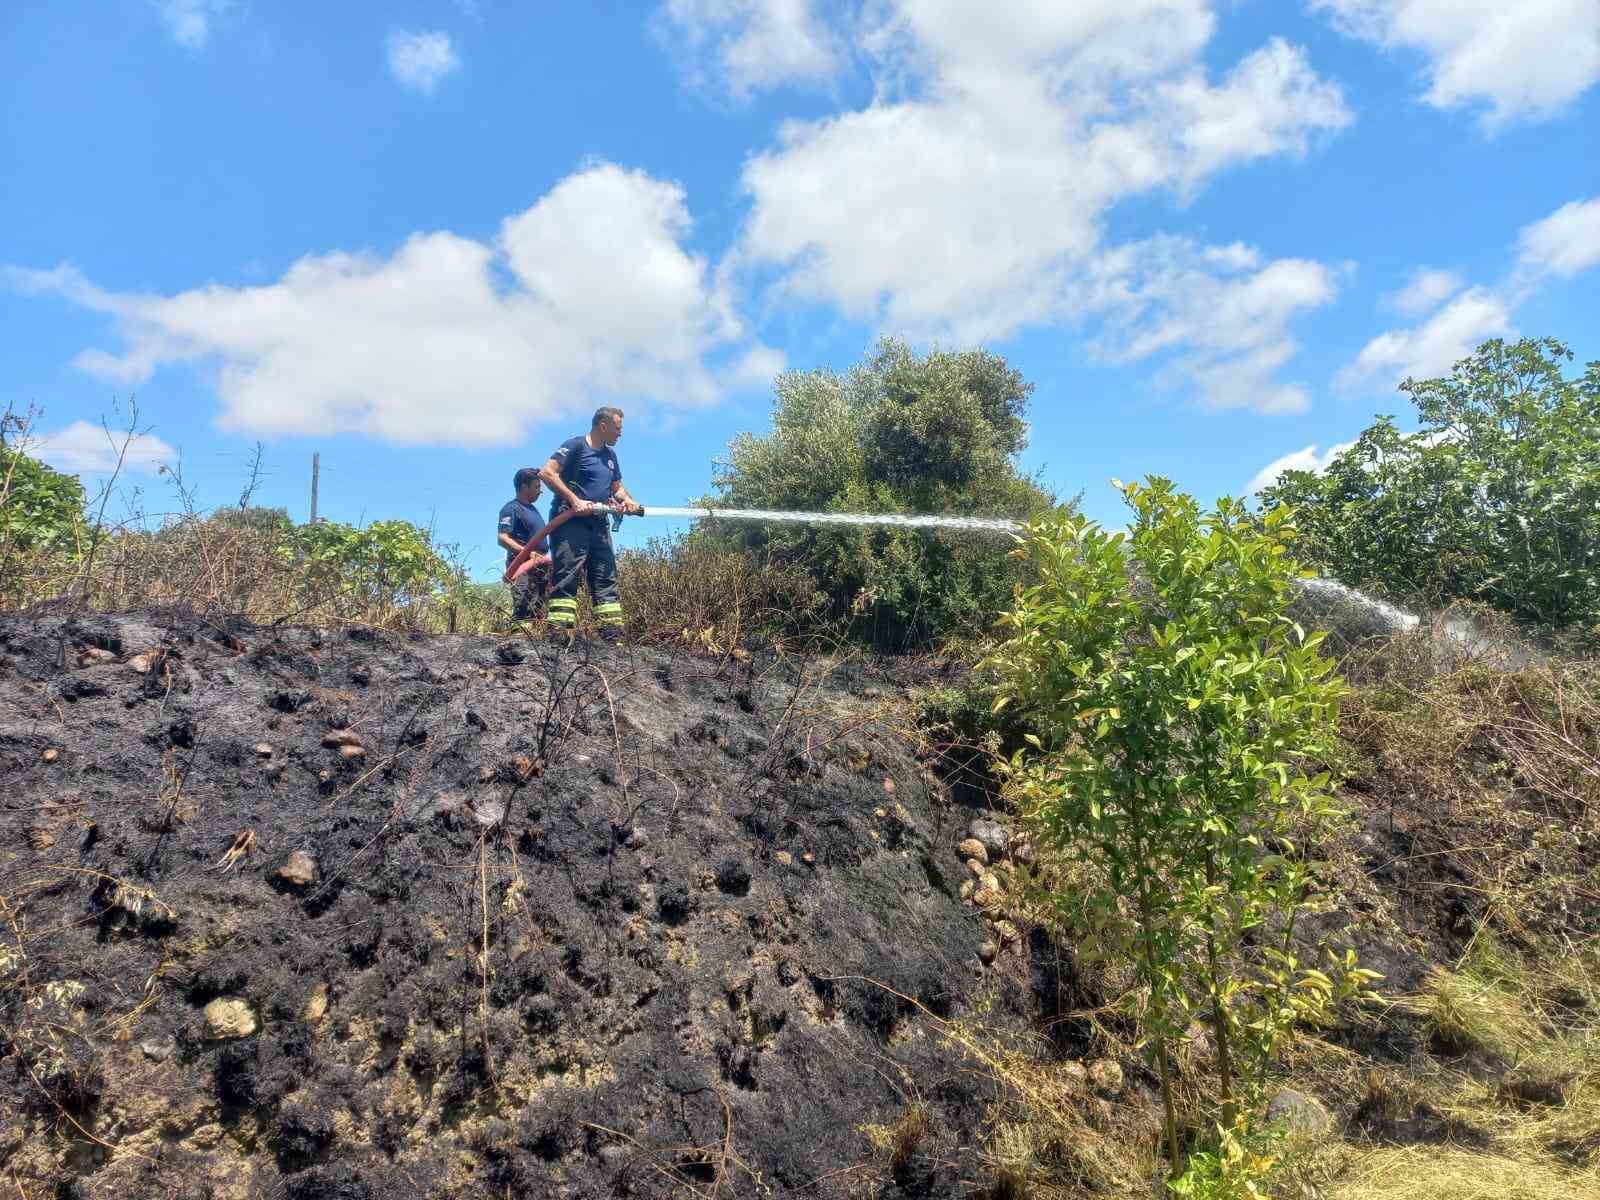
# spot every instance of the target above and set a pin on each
(972, 848)
(992, 835)
(1105, 1076)
(299, 870)
(229, 1017)
(1301, 1115)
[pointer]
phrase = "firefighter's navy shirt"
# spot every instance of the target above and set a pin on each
(521, 521)
(590, 473)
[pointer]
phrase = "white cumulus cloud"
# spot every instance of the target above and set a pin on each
(1558, 246)
(1307, 459)
(588, 294)
(1562, 244)
(968, 199)
(756, 44)
(84, 449)
(1520, 58)
(189, 21)
(1427, 288)
(1430, 349)
(420, 61)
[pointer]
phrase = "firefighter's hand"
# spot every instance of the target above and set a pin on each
(541, 560)
(633, 508)
(586, 508)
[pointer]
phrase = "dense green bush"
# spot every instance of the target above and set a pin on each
(1496, 498)
(40, 508)
(900, 433)
(384, 565)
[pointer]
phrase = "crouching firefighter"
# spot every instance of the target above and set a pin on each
(587, 481)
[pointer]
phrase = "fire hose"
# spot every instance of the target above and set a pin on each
(530, 556)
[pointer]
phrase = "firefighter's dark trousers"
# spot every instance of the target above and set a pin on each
(582, 549)
(527, 593)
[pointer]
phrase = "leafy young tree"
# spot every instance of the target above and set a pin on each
(1174, 709)
(899, 433)
(1495, 498)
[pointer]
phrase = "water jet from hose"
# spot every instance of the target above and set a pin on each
(893, 520)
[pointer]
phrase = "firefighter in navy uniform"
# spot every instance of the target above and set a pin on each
(586, 478)
(520, 523)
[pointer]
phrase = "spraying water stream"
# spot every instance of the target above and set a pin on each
(1334, 601)
(1335, 594)
(898, 520)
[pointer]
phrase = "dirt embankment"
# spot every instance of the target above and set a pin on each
(314, 914)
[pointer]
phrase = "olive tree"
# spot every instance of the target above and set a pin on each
(901, 432)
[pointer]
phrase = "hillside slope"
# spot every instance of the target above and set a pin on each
(314, 914)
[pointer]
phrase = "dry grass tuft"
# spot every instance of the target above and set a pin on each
(1052, 1137)
(899, 1140)
(1446, 1173)
(685, 590)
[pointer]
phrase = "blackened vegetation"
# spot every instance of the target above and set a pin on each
(610, 922)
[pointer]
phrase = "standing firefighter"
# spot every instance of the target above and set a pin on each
(521, 528)
(587, 482)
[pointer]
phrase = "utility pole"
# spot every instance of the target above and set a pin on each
(316, 469)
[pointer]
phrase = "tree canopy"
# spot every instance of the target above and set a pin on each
(899, 433)
(1495, 498)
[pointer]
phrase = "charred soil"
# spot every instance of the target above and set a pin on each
(345, 914)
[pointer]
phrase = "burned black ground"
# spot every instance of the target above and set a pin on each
(498, 921)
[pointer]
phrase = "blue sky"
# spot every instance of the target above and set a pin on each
(426, 239)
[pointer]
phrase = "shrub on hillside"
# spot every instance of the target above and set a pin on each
(387, 565)
(40, 508)
(717, 598)
(1178, 719)
(900, 433)
(256, 562)
(1495, 498)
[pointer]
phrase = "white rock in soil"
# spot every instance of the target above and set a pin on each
(228, 1017)
(299, 869)
(1301, 1115)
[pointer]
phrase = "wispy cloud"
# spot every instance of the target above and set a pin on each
(189, 21)
(1518, 61)
(1433, 347)
(419, 61)
(1563, 244)
(1559, 246)
(1427, 288)
(84, 449)
(1011, 141)
(1306, 459)
(753, 44)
